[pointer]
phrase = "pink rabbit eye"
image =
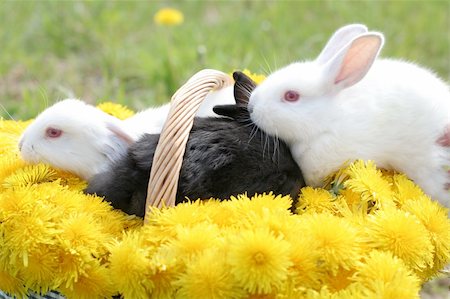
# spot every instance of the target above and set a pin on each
(291, 96)
(53, 133)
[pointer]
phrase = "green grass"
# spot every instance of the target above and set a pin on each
(113, 50)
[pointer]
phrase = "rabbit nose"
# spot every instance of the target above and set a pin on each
(20, 144)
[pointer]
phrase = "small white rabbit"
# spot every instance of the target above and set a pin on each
(74, 136)
(79, 138)
(349, 105)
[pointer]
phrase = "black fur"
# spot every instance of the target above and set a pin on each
(224, 156)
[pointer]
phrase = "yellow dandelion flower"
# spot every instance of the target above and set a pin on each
(266, 211)
(339, 241)
(13, 127)
(40, 272)
(28, 175)
(258, 78)
(305, 257)
(340, 280)
(193, 240)
(259, 261)
(207, 276)
(402, 234)
(313, 200)
(386, 276)
(70, 180)
(405, 189)
(10, 132)
(116, 110)
(434, 217)
(32, 224)
(222, 214)
(168, 17)
(11, 284)
(129, 267)
(81, 232)
(165, 269)
(366, 180)
(9, 163)
(69, 264)
(93, 283)
(184, 214)
(261, 203)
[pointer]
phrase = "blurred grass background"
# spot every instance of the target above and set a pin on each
(113, 50)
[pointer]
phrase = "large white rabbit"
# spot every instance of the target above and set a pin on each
(347, 105)
(77, 137)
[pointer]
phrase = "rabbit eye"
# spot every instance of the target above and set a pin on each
(291, 96)
(53, 133)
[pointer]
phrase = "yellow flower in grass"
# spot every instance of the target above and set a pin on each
(207, 276)
(259, 261)
(168, 17)
(339, 241)
(434, 217)
(386, 276)
(258, 78)
(130, 267)
(315, 201)
(116, 110)
(367, 181)
(402, 234)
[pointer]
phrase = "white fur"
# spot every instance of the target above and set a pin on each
(91, 139)
(152, 119)
(392, 115)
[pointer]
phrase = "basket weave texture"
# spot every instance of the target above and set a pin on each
(168, 158)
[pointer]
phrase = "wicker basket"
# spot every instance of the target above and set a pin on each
(162, 186)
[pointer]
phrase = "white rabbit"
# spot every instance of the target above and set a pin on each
(349, 105)
(79, 138)
(152, 120)
(76, 137)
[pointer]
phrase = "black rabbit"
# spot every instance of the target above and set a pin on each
(224, 156)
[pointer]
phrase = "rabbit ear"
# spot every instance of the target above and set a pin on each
(243, 87)
(120, 133)
(115, 145)
(227, 110)
(352, 63)
(339, 39)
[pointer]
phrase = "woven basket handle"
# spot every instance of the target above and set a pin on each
(162, 186)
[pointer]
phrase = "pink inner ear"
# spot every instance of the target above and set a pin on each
(444, 140)
(120, 133)
(358, 60)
